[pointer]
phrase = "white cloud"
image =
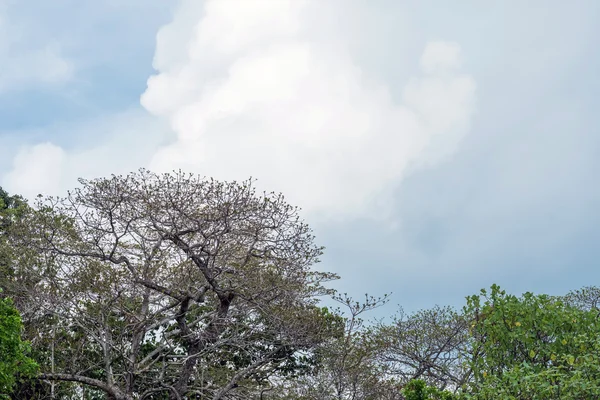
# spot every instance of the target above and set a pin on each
(440, 56)
(254, 90)
(268, 89)
(36, 169)
(34, 67)
(121, 143)
(26, 63)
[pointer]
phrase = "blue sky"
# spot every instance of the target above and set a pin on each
(435, 148)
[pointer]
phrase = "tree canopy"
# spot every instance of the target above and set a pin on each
(14, 361)
(533, 347)
(173, 286)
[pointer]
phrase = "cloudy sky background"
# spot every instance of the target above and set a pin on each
(435, 148)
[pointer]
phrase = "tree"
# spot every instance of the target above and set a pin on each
(532, 347)
(18, 278)
(14, 362)
(11, 208)
(173, 285)
(586, 298)
(417, 389)
(430, 345)
(346, 364)
(349, 360)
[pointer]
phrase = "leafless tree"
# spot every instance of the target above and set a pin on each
(431, 344)
(586, 298)
(173, 285)
(348, 368)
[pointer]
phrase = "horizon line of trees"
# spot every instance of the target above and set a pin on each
(173, 286)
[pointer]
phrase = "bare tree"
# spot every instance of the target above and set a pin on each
(174, 285)
(431, 344)
(347, 367)
(586, 298)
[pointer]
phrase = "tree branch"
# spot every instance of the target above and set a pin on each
(109, 389)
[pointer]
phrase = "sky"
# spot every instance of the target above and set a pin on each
(434, 148)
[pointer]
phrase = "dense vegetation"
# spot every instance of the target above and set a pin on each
(175, 287)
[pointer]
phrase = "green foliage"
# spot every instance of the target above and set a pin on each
(532, 347)
(417, 389)
(11, 209)
(14, 362)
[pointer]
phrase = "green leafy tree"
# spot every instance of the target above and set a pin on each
(417, 389)
(532, 347)
(20, 277)
(14, 361)
(11, 208)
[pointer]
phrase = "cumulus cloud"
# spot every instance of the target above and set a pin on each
(36, 169)
(124, 142)
(270, 90)
(255, 90)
